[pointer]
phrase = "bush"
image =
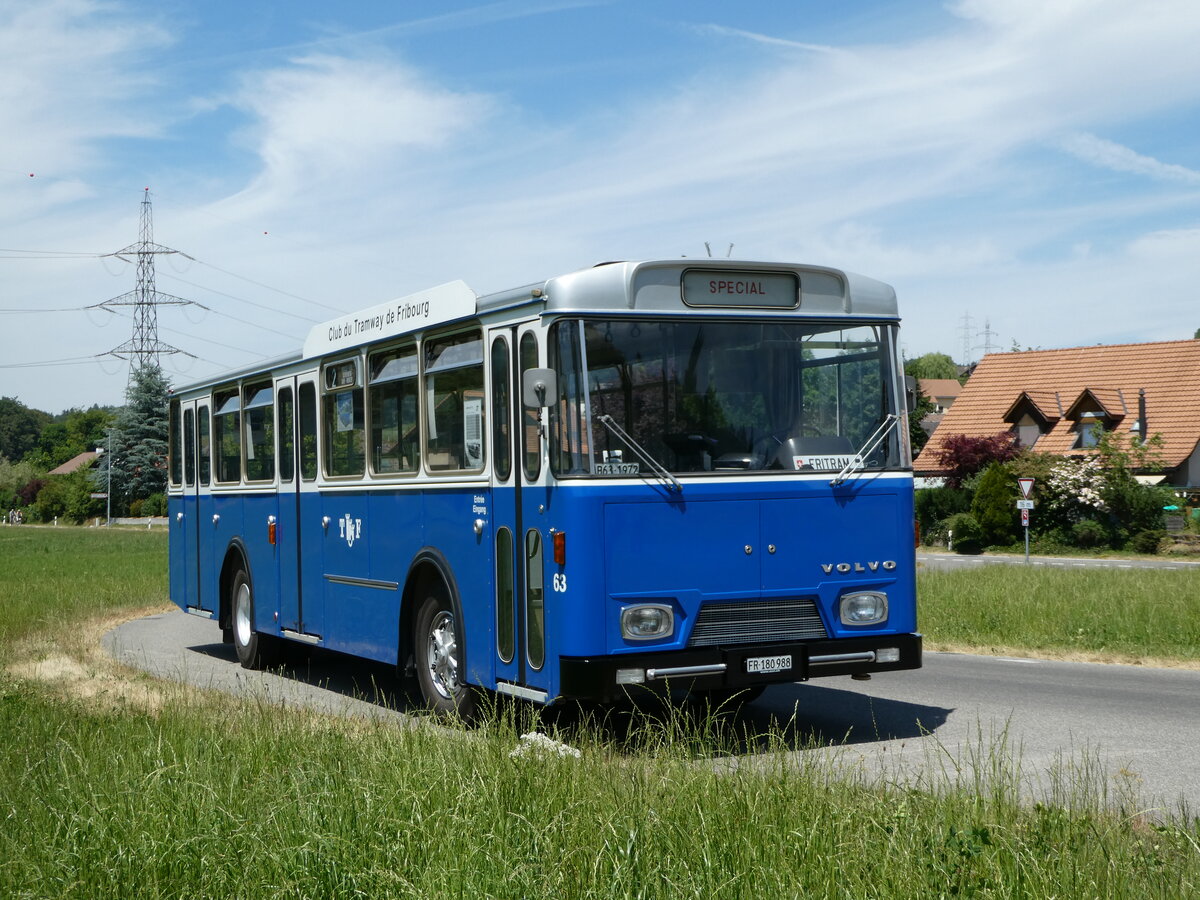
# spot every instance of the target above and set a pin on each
(965, 533)
(993, 506)
(1089, 533)
(934, 505)
(1147, 541)
(1138, 507)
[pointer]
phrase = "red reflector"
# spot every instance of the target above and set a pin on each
(271, 534)
(560, 548)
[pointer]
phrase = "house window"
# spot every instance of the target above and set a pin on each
(1088, 430)
(1028, 430)
(1089, 435)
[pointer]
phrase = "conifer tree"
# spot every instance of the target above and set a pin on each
(139, 441)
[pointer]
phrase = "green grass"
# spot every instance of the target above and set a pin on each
(53, 578)
(1126, 614)
(200, 795)
(249, 801)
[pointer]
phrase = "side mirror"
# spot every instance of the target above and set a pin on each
(910, 392)
(538, 387)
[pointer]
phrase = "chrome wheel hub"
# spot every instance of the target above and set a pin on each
(441, 655)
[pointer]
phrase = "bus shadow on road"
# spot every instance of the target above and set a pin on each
(811, 714)
(329, 672)
(785, 717)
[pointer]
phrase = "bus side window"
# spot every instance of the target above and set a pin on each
(454, 402)
(176, 443)
(501, 415)
(529, 417)
(189, 447)
(227, 428)
(205, 455)
(342, 413)
(287, 435)
(259, 411)
(308, 431)
(392, 397)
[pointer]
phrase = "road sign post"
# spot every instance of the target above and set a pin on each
(1025, 504)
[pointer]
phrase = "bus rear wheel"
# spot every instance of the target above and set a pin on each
(439, 659)
(254, 650)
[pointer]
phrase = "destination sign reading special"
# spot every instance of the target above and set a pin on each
(443, 303)
(713, 287)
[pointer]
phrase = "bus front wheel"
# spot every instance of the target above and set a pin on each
(253, 649)
(439, 659)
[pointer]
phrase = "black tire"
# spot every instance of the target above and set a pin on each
(254, 650)
(439, 659)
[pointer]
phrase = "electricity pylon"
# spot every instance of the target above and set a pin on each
(144, 348)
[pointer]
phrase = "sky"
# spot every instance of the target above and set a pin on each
(1025, 173)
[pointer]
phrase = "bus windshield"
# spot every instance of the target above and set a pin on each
(721, 397)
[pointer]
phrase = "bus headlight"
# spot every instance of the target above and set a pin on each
(647, 622)
(864, 608)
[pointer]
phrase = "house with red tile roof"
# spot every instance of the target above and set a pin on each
(942, 391)
(1055, 401)
(82, 461)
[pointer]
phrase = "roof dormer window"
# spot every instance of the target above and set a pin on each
(1088, 429)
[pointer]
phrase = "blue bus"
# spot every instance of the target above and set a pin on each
(676, 472)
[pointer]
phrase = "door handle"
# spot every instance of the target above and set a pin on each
(216, 518)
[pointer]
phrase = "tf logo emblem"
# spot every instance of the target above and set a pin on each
(350, 529)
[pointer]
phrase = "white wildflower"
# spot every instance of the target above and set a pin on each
(539, 746)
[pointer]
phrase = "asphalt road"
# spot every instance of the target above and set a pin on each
(1132, 732)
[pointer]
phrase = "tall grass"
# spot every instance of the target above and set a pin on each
(205, 796)
(252, 802)
(1121, 613)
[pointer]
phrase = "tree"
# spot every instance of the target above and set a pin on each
(139, 443)
(962, 455)
(20, 427)
(931, 365)
(71, 433)
(14, 477)
(916, 434)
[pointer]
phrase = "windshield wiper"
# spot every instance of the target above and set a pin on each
(656, 467)
(858, 460)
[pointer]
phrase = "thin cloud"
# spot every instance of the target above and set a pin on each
(767, 39)
(1107, 154)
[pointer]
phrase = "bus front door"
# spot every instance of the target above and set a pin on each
(518, 520)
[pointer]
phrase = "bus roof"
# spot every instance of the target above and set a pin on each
(710, 287)
(651, 286)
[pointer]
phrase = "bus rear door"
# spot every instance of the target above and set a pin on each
(299, 532)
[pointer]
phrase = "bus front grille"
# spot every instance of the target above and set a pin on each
(757, 621)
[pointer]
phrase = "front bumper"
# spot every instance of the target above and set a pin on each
(709, 668)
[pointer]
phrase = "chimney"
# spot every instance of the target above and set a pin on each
(1142, 433)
